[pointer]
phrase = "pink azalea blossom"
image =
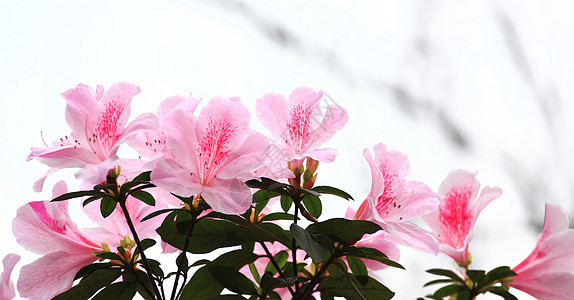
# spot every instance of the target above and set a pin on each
(212, 155)
(548, 272)
(7, 291)
(150, 144)
(393, 200)
(46, 228)
(298, 125)
(460, 205)
(99, 123)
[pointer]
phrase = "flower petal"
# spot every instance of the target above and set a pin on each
(230, 196)
(272, 111)
(169, 175)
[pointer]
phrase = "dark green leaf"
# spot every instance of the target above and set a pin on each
(315, 250)
(313, 205)
(332, 191)
(437, 281)
(286, 203)
(502, 292)
(89, 269)
(263, 195)
(259, 206)
(144, 176)
(110, 187)
(449, 290)
(182, 263)
(342, 284)
(348, 230)
(146, 243)
(475, 275)
(447, 273)
(307, 192)
(144, 197)
(110, 256)
(155, 267)
(200, 262)
(269, 283)
(118, 290)
(278, 216)
(496, 274)
(91, 199)
(203, 285)
(358, 268)
(280, 258)
(107, 206)
(373, 254)
(90, 285)
(77, 195)
(233, 280)
(254, 272)
(158, 212)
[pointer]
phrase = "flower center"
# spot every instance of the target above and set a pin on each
(387, 202)
(213, 148)
(299, 127)
(455, 215)
(108, 130)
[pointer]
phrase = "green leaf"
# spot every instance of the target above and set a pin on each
(158, 212)
(259, 206)
(315, 250)
(269, 283)
(447, 273)
(332, 191)
(280, 258)
(155, 267)
(144, 197)
(496, 274)
(263, 195)
(342, 284)
(449, 290)
(286, 203)
(373, 254)
(118, 290)
(91, 199)
(278, 216)
(110, 256)
(343, 229)
(502, 292)
(90, 285)
(146, 243)
(476, 276)
(107, 206)
(200, 262)
(204, 286)
(144, 176)
(254, 272)
(233, 280)
(313, 205)
(437, 281)
(89, 269)
(77, 195)
(358, 268)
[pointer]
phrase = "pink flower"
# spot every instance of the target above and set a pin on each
(393, 200)
(7, 291)
(298, 125)
(460, 205)
(212, 155)
(98, 122)
(150, 144)
(548, 272)
(46, 228)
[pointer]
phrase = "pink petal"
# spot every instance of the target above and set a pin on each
(323, 155)
(39, 184)
(413, 236)
(272, 113)
(182, 140)
(242, 160)
(120, 95)
(177, 102)
(552, 286)
(555, 220)
(64, 157)
(417, 200)
(379, 241)
(142, 123)
(486, 196)
(81, 103)
(377, 182)
(52, 274)
(229, 196)
(171, 176)
(335, 118)
(307, 97)
(460, 178)
(7, 290)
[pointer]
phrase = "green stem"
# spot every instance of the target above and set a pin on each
(185, 246)
(272, 259)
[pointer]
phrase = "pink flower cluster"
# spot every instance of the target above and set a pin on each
(212, 153)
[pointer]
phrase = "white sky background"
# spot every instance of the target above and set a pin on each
(409, 73)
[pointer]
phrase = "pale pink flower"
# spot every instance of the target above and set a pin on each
(212, 155)
(46, 228)
(150, 144)
(460, 205)
(548, 272)
(99, 123)
(299, 126)
(393, 200)
(7, 291)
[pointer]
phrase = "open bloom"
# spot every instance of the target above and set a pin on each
(548, 272)
(212, 155)
(298, 125)
(7, 291)
(99, 126)
(46, 228)
(393, 200)
(460, 205)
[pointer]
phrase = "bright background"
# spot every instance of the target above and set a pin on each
(481, 85)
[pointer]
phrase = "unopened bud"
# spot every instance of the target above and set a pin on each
(312, 165)
(310, 182)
